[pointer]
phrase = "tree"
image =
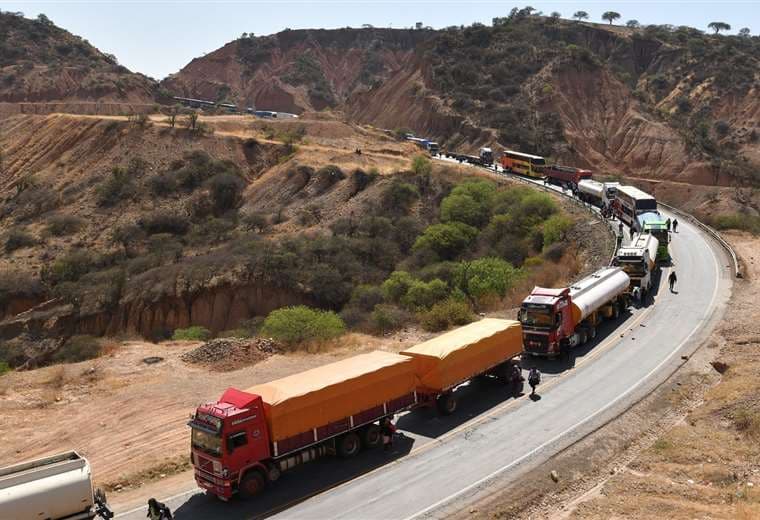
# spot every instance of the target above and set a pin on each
(633, 24)
(556, 15)
(421, 165)
(580, 15)
(44, 20)
(192, 120)
(719, 26)
(610, 16)
(744, 32)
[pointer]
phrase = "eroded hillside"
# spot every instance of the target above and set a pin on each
(40, 62)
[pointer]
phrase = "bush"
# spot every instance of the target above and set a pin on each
(397, 285)
(366, 297)
(555, 228)
(294, 325)
(117, 187)
(62, 225)
(235, 333)
(399, 197)
(485, 277)
(256, 221)
(446, 240)
(387, 318)
(448, 313)
(555, 252)
(70, 267)
(423, 295)
(162, 184)
(194, 333)
(421, 165)
(463, 208)
(18, 239)
(226, 190)
(76, 349)
(4, 367)
(162, 221)
(742, 222)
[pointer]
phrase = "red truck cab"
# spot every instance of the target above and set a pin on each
(547, 322)
(230, 438)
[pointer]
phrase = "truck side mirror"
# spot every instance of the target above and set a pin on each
(558, 318)
(521, 315)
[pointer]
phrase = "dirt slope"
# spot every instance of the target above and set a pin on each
(40, 62)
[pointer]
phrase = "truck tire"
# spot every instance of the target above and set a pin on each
(446, 404)
(615, 311)
(371, 437)
(592, 332)
(252, 484)
(348, 445)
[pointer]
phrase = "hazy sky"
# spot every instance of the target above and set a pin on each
(159, 38)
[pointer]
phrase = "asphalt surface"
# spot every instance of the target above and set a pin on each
(493, 439)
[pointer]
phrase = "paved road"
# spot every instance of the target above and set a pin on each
(493, 439)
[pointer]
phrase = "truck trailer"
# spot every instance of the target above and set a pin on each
(566, 176)
(554, 320)
(248, 438)
(639, 260)
(51, 488)
(600, 194)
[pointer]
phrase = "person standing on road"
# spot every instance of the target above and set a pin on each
(387, 429)
(517, 379)
(158, 511)
(672, 279)
(675, 225)
(534, 378)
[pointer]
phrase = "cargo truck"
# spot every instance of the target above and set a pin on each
(654, 223)
(51, 488)
(554, 320)
(639, 261)
(248, 438)
(566, 176)
(601, 194)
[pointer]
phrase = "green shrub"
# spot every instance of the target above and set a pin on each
(365, 297)
(294, 325)
(194, 333)
(463, 208)
(448, 313)
(555, 228)
(396, 286)
(4, 367)
(76, 349)
(738, 221)
(117, 187)
(446, 240)
(18, 239)
(70, 267)
(62, 225)
(162, 184)
(423, 295)
(226, 191)
(421, 165)
(399, 197)
(235, 333)
(485, 277)
(162, 221)
(387, 318)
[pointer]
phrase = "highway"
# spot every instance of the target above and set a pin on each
(493, 439)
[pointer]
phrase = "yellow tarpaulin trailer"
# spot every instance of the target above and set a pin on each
(463, 353)
(309, 400)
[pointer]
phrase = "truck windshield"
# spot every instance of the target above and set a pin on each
(533, 317)
(208, 442)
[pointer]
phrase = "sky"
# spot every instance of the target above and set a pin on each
(158, 38)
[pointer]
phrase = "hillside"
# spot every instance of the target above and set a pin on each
(658, 102)
(40, 62)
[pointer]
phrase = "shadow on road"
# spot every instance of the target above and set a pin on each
(294, 486)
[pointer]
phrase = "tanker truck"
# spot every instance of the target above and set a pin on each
(554, 320)
(639, 260)
(599, 194)
(248, 438)
(51, 488)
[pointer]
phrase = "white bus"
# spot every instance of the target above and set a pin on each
(631, 202)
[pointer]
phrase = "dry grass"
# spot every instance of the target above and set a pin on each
(164, 469)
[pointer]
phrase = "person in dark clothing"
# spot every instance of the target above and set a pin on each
(675, 225)
(667, 222)
(516, 379)
(620, 228)
(387, 429)
(158, 511)
(534, 378)
(672, 279)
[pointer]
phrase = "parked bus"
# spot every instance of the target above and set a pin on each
(523, 163)
(631, 202)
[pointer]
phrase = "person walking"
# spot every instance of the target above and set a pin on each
(675, 225)
(667, 222)
(158, 511)
(387, 429)
(672, 279)
(620, 228)
(516, 380)
(534, 378)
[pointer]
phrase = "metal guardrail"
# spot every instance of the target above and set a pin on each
(710, 231)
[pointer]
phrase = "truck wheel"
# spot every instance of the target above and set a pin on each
(592, 332)
(583, 337)
(252, 484)
(447, 404)
(371, 437)
(615, 311)
(348, 445)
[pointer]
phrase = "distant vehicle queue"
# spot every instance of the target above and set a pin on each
(232, 108)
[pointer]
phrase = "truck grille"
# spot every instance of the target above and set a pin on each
(536, 343)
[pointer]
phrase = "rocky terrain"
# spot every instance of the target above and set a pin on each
(40, 62)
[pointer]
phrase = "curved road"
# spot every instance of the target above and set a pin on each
(493, 439)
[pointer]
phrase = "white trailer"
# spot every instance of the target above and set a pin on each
(55, 488)
(639, 260)
(597, 193)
